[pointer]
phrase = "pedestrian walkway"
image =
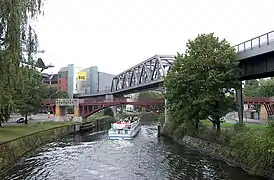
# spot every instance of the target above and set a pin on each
(232, 117)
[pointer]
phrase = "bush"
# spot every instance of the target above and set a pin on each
(108, 112)
(239, 127)
(254, 150)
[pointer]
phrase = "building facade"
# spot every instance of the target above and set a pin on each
(96, 82)
(104, 82)
(50, 79)
(63, 79)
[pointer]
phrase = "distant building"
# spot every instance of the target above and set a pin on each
(96, 82)
(105, 81)
(50, 79)
(63, 79)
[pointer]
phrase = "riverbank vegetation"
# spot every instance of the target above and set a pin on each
(13, 132)
(201, 85)
(20, 82)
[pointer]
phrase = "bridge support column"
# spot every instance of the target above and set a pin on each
(240, 103)
(114, 108)
(76, 114)
(60, 114)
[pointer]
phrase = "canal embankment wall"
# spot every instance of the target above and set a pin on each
(12, 151)
(213, 149)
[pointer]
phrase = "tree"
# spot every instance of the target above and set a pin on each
(29, 95)
(251, 88)
(108, 112)
(152, 95)
(261, 88)
(52, 92)
(201, 81)
(17, 43)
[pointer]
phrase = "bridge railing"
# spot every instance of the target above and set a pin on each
(255, 42)
(100, 101)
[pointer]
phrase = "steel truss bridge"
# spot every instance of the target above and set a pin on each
(149, 74)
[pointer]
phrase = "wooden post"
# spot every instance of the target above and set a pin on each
(240, 103)
(159, 131)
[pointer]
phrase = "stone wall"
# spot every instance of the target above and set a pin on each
(12, 151)
(215, 150)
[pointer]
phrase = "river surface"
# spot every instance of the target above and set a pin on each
(87, 157)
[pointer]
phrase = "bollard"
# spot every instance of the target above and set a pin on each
(97, 125)
(159, 131)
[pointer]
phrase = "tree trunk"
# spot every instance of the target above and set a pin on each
(1, 124)
(26, 118)
(218, 123)
(213, 126)
(197, 125)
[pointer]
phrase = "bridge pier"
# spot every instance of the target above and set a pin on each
(240, 103)
(77, 113)
(60, 114)
(114, 108)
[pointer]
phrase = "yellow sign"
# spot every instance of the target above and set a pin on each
(82, 76)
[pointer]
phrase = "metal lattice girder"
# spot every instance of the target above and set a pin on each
(150, 71)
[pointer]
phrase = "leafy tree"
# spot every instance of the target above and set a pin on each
(251, 88)
(17, 43)
(29, 95)
(152, 95)
(261, 88)
(108, 111)
(50, 92)
(201, 81)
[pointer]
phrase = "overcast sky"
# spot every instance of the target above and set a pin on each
(117, 34)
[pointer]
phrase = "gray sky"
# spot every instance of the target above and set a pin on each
(117, 34)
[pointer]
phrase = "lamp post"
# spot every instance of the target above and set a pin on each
(51, 96)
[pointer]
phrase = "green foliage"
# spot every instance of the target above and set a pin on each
(161, 118)
(108, 112)
(18, 42)
(259, 88)
(254, 150)
(152, 95)
(238, 127)
(50, 92)
(199, 84)
(28, 97)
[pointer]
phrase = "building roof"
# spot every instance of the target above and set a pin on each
(63, 69)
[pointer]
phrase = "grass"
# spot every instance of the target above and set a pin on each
(230, 125)
(97, 116)
(13, 132)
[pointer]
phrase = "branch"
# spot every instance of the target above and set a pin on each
(211, 120)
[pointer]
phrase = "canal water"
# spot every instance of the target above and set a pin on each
(87, 157)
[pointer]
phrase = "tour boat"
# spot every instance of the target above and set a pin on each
(126, 129)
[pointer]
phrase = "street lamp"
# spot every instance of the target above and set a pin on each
(51, 96)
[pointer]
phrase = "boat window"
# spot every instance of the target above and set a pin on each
(126, 131)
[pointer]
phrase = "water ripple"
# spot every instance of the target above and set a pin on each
(85, 157)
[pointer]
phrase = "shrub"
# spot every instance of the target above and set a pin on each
(255, 151)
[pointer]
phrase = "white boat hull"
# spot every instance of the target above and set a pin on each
(131, 134)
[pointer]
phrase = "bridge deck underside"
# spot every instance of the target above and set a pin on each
(261, 66)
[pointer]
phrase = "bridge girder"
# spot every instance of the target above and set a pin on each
(150, 71)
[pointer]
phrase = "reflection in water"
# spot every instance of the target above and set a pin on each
(86, 157)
